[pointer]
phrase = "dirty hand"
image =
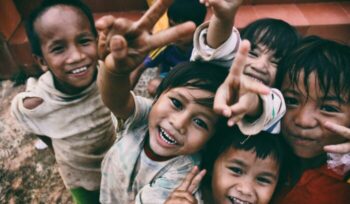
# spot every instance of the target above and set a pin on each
(123, 43)
(184, 193)
(238, 96)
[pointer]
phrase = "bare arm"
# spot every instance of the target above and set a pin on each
(220, 26)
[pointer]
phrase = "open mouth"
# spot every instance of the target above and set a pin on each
(79, 70)
(256, 77)
(235, 200)
(166, 137)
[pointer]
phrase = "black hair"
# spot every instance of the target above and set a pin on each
(329, 60)
(200, 75)
(187, 10)
(42, 8)
(263, 144)
(275, 34)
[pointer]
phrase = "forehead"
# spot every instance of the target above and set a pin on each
(250, 160)
(61, 18)
(312, 90)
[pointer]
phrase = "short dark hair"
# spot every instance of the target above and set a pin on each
(201, 75)
(42, 8)
(275, 34)
(263, 144)
(329, 60)
(187, 10)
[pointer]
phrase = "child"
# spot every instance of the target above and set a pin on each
(64, 105)
(239, 172)
(166, 58)
(316, 90)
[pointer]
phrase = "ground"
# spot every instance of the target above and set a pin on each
(29, 175)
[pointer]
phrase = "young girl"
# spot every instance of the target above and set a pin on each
(238, 172)
(64, 105)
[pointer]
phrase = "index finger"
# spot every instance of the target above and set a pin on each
(154, 13)
(240, 59)
(338, 129)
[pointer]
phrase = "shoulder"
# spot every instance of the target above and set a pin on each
(32, 102)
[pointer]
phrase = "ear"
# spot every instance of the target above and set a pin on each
(41, 62)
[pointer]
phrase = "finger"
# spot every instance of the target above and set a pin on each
(339, 148)
(339, 129)
(118, 48)
(234, 120)
(196, 181)
(188, 179)
(221, 100)
(104, 23)
(251, 85)
(240, 59)
(101, 46)
(153, 14)
(120, 26)
(171, 35)
(183, 197)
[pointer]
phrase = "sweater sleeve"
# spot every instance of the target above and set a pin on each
(223, 55)
(274, 109)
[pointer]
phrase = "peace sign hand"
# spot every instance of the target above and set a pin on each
(123, 43)
(184, 193)
(238, 94)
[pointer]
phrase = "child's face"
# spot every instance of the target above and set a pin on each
(303, 123)
(178, 125)
(240, 177)
(261, 64)
(68, 47)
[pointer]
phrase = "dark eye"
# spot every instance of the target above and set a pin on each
(236, 170)
(57, 49)
(85, 41)
(263, 180)
(201, 123)
(290, 101)
(274, 62)
(176, 103)
(253, 54)
(330, 108)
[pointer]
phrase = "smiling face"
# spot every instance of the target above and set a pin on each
(261, 65)
(178, 124)
(68, 46)
(239, 177)
(303, 123)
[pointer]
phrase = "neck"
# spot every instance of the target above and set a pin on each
(151, 154)
(315, 162)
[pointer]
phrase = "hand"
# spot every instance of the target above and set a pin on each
(223, 9)
(343, 131)
(184, 193)
(123, 43)
(237, 96)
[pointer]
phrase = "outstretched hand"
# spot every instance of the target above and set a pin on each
(184, 193)
(223, 9)
(238, 94)
(123, 43)
(343, 131)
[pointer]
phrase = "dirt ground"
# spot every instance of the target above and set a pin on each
(29, 175)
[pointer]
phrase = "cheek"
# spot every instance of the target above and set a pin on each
(265, 194)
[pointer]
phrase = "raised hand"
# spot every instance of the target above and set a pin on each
(343, 131)
(184, 193)
(223, 9)
(238, 95)
(123, 43)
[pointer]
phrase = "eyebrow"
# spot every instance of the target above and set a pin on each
(237, 161)
(334, 98)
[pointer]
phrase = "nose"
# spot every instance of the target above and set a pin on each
(245, 188)
(180, 121)
(75, 55)
(305, 117)
(260, 64)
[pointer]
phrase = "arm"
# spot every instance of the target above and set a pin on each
(220, 26)
(123, 44)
